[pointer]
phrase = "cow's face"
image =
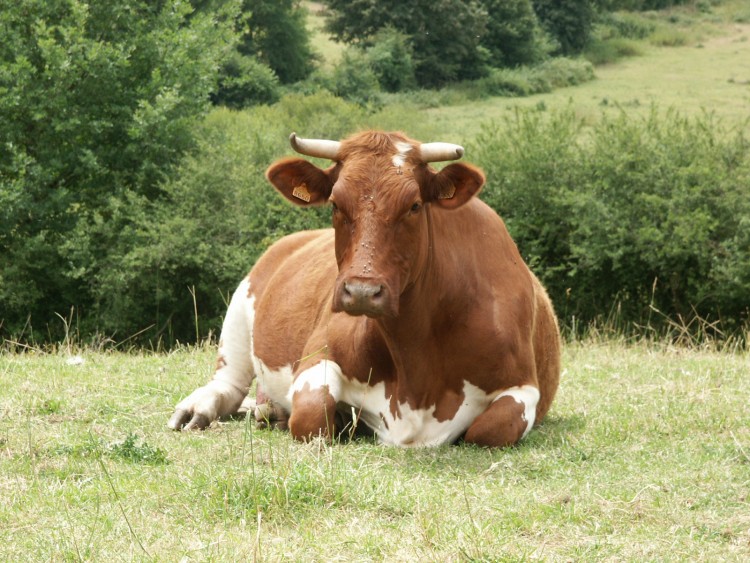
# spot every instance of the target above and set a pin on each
(380, 192)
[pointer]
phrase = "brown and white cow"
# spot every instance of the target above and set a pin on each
(414, 316)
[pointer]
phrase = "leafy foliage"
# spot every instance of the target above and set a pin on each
(444, 34)
(641, 216)
(217, 214)
(273, 49)
(98, 102)
(275, 31)
(514, 36)
(569, 22)
(391, 60)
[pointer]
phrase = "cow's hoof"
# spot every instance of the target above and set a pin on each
(185, 420)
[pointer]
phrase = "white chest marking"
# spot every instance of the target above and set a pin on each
(408, 426)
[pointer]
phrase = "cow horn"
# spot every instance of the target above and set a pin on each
(320, 148)
(439, 152)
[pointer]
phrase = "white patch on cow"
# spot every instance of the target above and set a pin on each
(411, 427)
(323, 374)
(528, 396)
(400, 158)
(274, 382)
(231, 381)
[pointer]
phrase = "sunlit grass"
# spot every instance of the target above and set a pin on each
(711, 76)
(644, 455)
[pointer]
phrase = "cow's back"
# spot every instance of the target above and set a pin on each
(291, 285)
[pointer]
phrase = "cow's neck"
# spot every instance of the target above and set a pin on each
(431, 310)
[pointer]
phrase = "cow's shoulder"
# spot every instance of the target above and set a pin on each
(289, 253)
(291, 291)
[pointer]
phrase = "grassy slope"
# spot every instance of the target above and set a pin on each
(644, 455)
(713, 76)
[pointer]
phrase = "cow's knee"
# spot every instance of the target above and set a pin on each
(313, 415)
(508, 419)
(315, 395)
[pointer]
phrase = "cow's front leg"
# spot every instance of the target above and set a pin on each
(508, 418)
(315, 393)
(233, 375)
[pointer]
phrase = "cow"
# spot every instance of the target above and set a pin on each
(413, 318)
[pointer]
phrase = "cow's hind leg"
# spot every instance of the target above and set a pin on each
(234, 372)
(508, 418)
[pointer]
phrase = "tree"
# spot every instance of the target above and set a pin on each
(276, 32)
(444, 34)
(97, 103)
(273, 48)
(514, 36)
(568, 21)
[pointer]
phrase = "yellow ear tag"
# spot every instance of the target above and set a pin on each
(300, 192)
(447, 193)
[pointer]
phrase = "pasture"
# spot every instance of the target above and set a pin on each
(709, 74)
(645, 455)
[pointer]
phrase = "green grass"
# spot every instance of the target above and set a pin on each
(710, 76)
(645, 455)
(329, 51)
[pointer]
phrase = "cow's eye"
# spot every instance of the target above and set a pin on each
(334, 207)
(416, 207)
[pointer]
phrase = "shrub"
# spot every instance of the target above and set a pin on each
(514, 36)
(390, 59)
(668, 37)
(630, 214)
(245, 81)
(353, 79)
(96, 111)
(607, 51)
(559, 72)
(569, 22)
(626, 24)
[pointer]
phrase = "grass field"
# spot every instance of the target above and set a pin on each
(645, 455)
(712, 77)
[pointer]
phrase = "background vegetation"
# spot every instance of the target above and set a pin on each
(132, 196)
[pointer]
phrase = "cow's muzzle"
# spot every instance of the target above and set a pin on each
(364, 297)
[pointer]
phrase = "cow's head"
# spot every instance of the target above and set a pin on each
(380, 189)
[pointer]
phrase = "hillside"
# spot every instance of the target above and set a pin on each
(713, 76)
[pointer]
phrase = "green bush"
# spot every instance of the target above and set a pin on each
(244, 82)
(559, 72)
(607, 51)
(514, 36)
(391, 61)
(627, 25)
(569, 22)
(354, 79)
(98, 101)
(633, 215)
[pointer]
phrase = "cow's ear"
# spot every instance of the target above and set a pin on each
(454, 185)
(302, 183)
